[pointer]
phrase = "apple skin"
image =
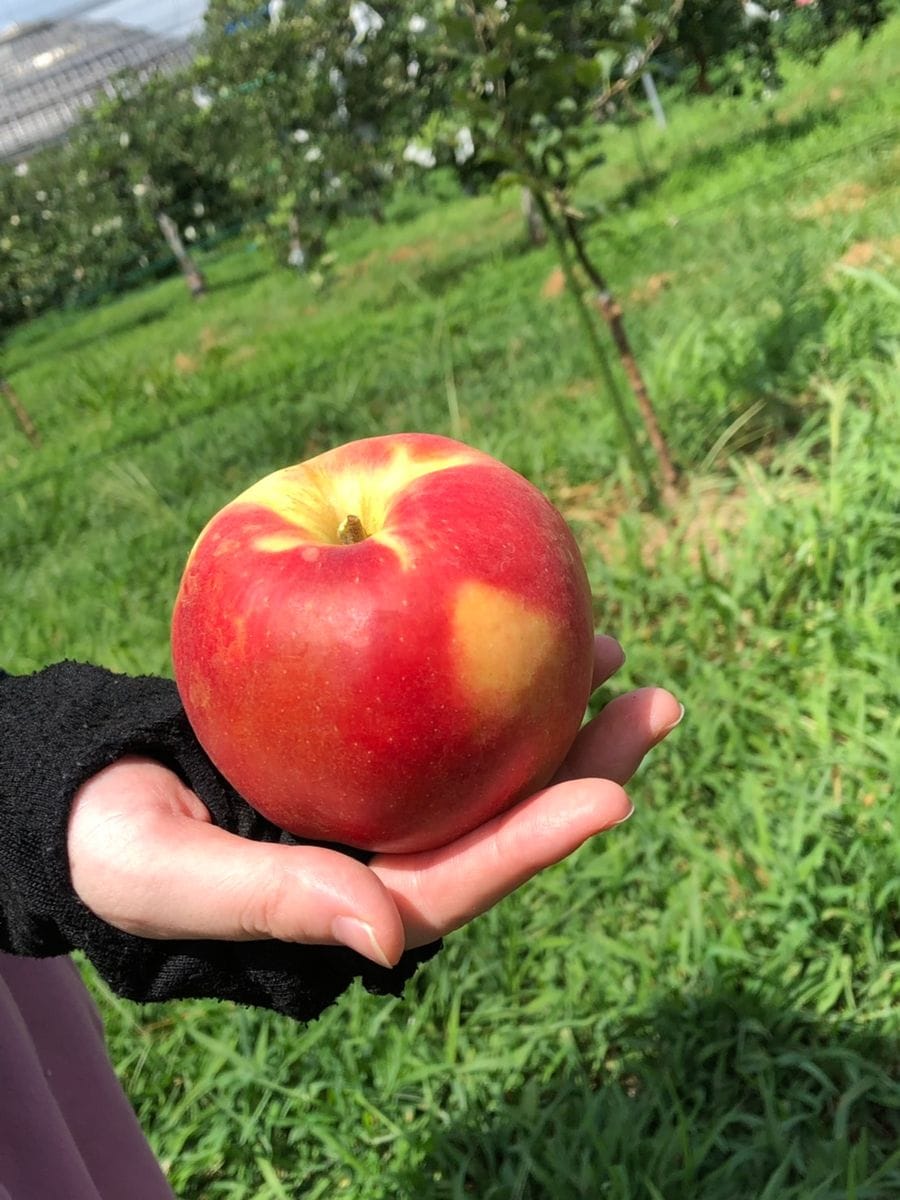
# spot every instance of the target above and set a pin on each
(394, 693)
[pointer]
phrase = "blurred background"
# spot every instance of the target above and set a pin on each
(648, 254)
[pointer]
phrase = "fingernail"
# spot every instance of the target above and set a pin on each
(622, 820)
(359, 936)
(664, 729)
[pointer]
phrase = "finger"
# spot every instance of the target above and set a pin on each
(147, 865)
(441, 890)
(608, 658)
(613, 744)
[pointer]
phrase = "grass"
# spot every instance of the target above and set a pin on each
(706, 1004)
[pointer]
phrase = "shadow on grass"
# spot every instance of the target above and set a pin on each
(701, 160)
(777, 368)
(238, 281)
(437, 278)
(756, 372)
(719, 1095)
(137, 320)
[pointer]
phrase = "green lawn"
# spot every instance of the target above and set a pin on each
(705, 1004)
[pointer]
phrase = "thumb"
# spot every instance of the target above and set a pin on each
(145, 858)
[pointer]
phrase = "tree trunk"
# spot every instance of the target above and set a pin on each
(612, 314)
(534, 221)
(704, 87)
(20, 412)
(192, 276)
(635, 450)
(296, 253)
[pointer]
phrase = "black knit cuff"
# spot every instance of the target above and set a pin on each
(58, 728)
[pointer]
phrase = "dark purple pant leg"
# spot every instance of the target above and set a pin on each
(67, 1130)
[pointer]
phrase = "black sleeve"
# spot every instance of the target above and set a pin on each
(59, 727)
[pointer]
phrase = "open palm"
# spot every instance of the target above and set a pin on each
(145, 856)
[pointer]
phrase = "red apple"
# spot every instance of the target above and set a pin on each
(386, 645)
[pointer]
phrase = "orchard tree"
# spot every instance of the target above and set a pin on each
(532, 82)
(737, 43)
(730, 35)
(810, 28)
(81, 213)
(320, 97)
(63, 230)
(156, 146)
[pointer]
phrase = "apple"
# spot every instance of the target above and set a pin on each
(386, 645)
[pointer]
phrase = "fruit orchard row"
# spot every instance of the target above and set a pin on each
(295, 123)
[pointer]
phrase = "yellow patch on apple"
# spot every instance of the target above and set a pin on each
(501, 647)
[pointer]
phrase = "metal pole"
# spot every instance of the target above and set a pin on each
(653, 97)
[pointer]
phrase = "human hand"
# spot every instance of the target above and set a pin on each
(146, 858)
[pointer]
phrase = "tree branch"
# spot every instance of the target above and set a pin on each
(623, 84)
(20, 412)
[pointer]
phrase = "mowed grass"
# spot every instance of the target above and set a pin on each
(706, 1003)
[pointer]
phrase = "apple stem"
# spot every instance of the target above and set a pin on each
(351, 530)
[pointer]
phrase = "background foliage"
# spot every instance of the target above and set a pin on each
(291, 127)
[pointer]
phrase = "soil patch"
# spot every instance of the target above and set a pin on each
(241, 355)
(554, 284)
(860, 254)
(210, 340)
(848, 198)
(652, 287)
(413, 252)
(707, 518)
(885, 252)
